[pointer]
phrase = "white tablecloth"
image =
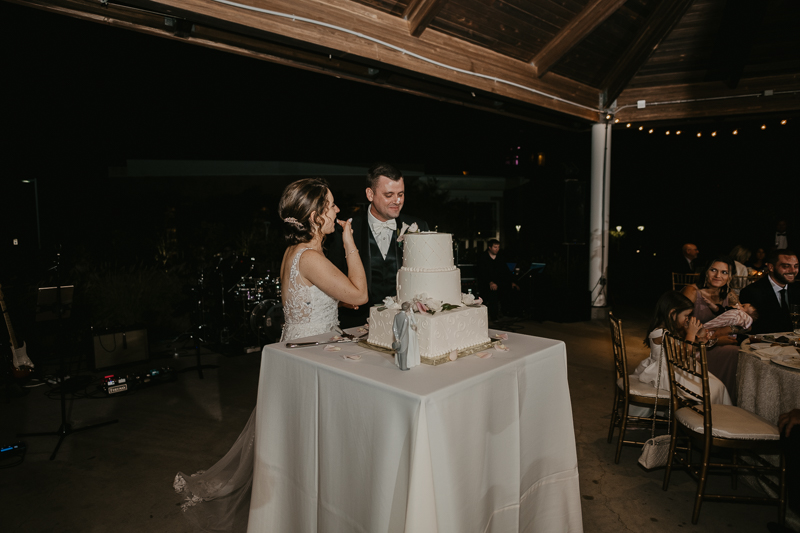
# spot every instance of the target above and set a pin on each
(483, 445)
(764, 388)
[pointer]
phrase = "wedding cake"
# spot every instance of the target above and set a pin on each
(430, 280)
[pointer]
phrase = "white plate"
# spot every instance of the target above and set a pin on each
(789, 361)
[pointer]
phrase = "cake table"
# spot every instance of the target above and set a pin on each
(476, 445)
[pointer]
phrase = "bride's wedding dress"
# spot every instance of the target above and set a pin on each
(223, 491)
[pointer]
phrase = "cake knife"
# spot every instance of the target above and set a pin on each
(305, 344)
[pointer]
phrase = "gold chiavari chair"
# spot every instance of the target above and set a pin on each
(717, 426)
(680, 280)
(740, 282)
(627, 390)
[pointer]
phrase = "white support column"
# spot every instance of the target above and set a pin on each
(599, 213)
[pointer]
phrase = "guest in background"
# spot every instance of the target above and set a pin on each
(687, 264)
(774, 293)
(740, 256)
(711, 296)
(757, 262)
(781, 236)
(672, 314)
(495, 281)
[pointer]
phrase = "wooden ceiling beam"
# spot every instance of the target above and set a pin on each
(478, 64)
(343, 66)
(657, 27)
(420, 13)
(772, 94)
(594, 14)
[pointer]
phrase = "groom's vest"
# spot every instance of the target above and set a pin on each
(384, 271)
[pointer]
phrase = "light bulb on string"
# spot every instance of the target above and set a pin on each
(641, 128)
(736, 132)
(714, 134)
(628, 125)
(678, 132)
(651, 131)
(783, 122)
(763, 126)
(699, 134)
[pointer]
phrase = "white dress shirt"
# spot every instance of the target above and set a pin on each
(382, 231)
(781, 242)
(777, 288)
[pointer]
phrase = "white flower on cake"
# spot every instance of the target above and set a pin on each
(390, 303)
(470, 299)
(406, 228)
(433, 305)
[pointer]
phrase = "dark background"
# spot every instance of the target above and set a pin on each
(80, 98)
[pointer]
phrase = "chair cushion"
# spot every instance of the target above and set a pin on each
(641, 388)
(729, 422)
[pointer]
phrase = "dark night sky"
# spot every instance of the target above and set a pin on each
(80, 97)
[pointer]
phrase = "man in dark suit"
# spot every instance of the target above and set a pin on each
(375, 233)
(687, 264)
(774, 294)
(495, 282)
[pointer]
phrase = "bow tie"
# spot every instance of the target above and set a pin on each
(390, 225)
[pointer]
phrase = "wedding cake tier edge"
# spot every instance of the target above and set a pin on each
(439, 334)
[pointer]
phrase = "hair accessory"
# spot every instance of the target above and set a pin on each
(293, 221)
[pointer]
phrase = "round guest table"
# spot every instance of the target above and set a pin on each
(765, 388)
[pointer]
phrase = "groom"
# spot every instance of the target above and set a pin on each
(375, 234)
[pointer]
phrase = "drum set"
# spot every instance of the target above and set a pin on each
(236, 302)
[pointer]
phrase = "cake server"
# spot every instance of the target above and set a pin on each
(306, 344)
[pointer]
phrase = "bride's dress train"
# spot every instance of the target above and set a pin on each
(223, 491)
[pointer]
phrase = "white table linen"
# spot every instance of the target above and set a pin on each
(483, 445)
(765, 388)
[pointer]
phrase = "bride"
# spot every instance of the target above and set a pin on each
(312, 289)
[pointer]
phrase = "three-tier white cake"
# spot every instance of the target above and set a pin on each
(429, 273)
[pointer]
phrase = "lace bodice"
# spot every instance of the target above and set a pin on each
(307, 310)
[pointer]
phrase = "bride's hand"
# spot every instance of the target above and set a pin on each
(347, 234)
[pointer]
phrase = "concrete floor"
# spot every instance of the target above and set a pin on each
(119, 477)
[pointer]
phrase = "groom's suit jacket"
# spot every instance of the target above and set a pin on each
(374, 265)
(771, 318)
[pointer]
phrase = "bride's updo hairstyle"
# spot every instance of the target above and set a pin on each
(299, 200)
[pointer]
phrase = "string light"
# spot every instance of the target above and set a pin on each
(763, 127)
(616, 120)
(628, 125)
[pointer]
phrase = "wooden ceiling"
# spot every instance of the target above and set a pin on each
(567, 63)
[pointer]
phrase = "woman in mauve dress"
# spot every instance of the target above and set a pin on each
(711, 296)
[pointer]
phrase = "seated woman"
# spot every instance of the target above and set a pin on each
(672, 314)
(712, 296)
(757, 263)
